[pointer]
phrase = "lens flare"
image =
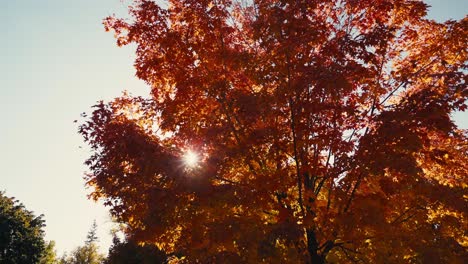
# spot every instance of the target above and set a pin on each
(190, 158)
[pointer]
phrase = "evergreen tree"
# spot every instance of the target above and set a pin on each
(92, 236)
(87, 254)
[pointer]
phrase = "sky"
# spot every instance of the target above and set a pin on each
(56, 61)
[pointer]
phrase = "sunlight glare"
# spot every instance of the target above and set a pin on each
(191, 158)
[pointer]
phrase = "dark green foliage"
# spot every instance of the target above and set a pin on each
(129, 252)
(21, 234)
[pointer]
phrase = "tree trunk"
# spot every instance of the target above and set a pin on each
(312, 248)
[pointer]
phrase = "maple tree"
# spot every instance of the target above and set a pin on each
(323, 131)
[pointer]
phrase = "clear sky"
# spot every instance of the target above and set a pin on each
(55, 62)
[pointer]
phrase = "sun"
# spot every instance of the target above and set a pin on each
(190, 158)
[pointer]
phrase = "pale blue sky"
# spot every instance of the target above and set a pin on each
(55, 62)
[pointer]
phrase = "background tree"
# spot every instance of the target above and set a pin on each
(21, 234)
(92, 234)
(130, 252)
(87, 254)
(323, 131)
(49, 255)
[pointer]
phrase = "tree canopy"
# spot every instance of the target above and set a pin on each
(322, 132)
(21, 234)
(86, 254)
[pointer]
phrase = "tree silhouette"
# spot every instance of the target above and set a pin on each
(21, 234)
(129, 252)
(92, 236)
(322, 131)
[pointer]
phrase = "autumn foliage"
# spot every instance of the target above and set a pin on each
(323, 128)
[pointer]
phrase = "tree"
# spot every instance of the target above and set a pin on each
(21, 234)
(86, 254)
(92, 236)
(129, 252)
(49, 255)
(323, 132)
